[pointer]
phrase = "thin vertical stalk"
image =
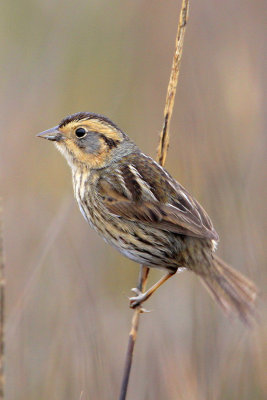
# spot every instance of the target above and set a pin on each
(171, 91)
(143, 274)
(162, 154)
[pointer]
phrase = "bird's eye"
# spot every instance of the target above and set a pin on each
(80, 132)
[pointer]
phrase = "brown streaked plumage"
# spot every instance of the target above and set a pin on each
(138, 208)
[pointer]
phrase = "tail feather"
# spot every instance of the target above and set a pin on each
(233, 291)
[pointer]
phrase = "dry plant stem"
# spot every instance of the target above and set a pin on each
(162, 153)
(2, 303)
(164, 136)
(143, 274)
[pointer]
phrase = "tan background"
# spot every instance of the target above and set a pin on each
(67, 307)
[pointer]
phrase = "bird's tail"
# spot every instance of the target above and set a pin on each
(235, 293)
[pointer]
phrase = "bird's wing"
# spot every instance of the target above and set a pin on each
(128, 194)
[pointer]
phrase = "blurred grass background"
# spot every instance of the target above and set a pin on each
(67, 308)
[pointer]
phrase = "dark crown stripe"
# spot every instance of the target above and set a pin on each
(87, 115)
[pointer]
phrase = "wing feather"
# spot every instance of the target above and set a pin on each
(165, 204)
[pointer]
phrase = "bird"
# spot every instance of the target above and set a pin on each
(136, 206)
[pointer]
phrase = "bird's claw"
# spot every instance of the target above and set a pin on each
(136, 291)
(136, 300)
(144, 310)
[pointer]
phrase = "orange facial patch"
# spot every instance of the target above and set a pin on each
(107, 136)
(91, 160)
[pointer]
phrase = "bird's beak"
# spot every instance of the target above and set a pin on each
(51, 134)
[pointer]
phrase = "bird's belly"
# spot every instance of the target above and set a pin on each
(153, 249)
(136, 241)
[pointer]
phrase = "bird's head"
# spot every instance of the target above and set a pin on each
(90, 140)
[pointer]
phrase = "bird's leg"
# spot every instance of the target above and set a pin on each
(141, 297)
(142, 279)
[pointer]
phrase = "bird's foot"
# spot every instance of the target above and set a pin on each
(137, 300)
(136, 291)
